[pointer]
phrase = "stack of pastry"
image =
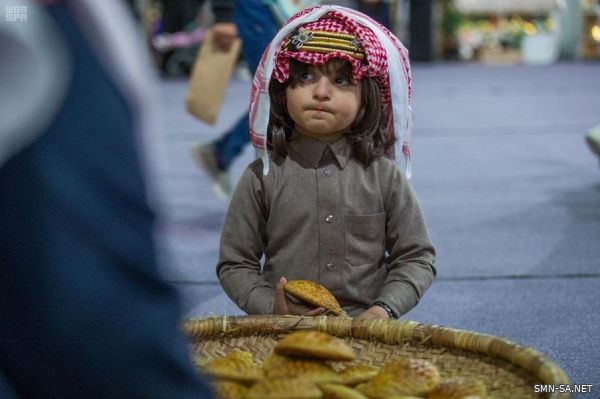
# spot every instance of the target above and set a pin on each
(297, 368)
(301, 366)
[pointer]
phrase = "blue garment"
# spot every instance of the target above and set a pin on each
(256, 28)
(380, 12)
(83, 311)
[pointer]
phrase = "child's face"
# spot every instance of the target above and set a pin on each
(325, 101)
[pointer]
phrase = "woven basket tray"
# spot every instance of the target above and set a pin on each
(509, 370)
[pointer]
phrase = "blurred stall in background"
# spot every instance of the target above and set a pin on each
(499, 32)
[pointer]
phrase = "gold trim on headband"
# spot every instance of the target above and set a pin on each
(325, 42)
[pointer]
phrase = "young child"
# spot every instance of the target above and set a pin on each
(325, 201)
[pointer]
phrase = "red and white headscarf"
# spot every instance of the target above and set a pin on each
(384, 59)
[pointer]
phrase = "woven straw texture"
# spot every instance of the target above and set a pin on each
(509, 370)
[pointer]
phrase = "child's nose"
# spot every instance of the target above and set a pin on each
(322, 89)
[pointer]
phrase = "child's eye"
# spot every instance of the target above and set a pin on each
(306, 76)
(342, 81)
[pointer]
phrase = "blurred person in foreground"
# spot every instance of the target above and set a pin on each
(83, 310)
(325, 201)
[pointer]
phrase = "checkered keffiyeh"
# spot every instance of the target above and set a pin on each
(385, 60)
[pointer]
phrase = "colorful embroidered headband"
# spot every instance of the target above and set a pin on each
(318, 41)
(319, 34)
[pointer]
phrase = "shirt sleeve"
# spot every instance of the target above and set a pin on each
(411, 254)
(242, 246)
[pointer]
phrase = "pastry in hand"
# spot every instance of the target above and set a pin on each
(313, 294)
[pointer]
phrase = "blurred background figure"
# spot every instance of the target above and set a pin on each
(593, 140)
(379, 10)
(256, 26)
(175, 34)
(420, 31)
(83, 310)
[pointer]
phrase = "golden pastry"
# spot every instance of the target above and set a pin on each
(236, 366)
(314, 294)
(357, 374)
(284, 388)
(337, 391)
(315, 344)
(276, 366)
(459, 388)
(229, 390)
(413, 377)
(272, 360)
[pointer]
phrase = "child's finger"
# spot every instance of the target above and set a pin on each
(316, 312)
(281, 283)
(280, 306)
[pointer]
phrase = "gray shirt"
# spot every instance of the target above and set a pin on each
(320, 215)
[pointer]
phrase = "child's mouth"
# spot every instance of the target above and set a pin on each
(320, 109)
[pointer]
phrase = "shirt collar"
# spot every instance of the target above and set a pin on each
(312, 150)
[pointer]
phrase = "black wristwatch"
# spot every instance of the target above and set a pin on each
(387, 309)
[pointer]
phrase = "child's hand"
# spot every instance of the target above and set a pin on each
(374, 312)
(283, 305)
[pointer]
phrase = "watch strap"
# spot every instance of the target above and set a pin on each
(387, 308)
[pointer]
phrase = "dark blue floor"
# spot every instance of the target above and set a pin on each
(510, 191)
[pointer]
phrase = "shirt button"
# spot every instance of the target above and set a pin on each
(329, 218)
(327, 172)
(329, 266)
